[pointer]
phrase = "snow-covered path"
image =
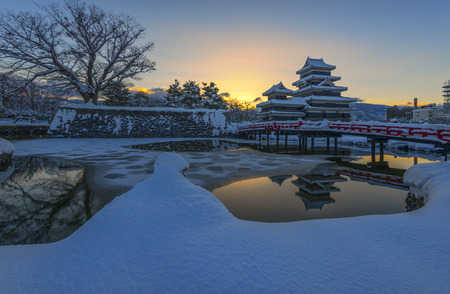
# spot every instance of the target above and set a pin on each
(168, 235)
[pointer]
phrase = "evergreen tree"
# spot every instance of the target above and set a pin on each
(117, 95)
(174, 95)
(191, 95)
(139, 99)
(211, 97)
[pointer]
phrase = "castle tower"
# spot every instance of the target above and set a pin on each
(316, 85)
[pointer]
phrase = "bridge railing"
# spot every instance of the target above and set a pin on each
(430, 132)
(375, 178)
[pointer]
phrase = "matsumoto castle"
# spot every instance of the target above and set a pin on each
(316, 98)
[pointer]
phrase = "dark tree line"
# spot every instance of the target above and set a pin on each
(191, 95)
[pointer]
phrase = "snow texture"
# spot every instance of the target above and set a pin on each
(168, 235)
(6, 147)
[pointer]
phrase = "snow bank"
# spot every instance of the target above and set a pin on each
(6, 147)
(431, 180)
(168, 235)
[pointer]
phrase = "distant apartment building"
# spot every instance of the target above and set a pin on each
(402, 113)
(429, 113)
(446, 95)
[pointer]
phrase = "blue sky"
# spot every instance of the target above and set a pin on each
(386, 52)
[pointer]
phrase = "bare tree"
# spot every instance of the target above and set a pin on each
(8, 82)
(79, 45)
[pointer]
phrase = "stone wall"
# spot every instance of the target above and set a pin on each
(6, 151)
(128, 122)
(14, 132)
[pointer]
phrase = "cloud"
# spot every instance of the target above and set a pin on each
(157, 92)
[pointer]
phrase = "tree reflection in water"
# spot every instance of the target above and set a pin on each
(41, 201)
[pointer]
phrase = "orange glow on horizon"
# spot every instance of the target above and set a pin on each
(410, 104)
(145, 90)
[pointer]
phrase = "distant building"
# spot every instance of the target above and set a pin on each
(402, 114)
(316, 98)
(446, 95)
(428, 112)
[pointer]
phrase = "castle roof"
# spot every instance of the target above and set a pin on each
(320, 88)
(293, 101)
(298, 83)
(278, 89)
(312, 63)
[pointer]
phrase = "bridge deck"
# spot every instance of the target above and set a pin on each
(438, 135)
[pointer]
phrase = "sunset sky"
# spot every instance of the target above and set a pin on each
(387, 52)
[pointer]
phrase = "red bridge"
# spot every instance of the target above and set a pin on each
(426, 133)
(375, 178)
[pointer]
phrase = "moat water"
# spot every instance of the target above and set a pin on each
(44, 200)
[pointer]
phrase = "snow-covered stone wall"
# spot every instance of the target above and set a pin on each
(6, 151)
(129, 122)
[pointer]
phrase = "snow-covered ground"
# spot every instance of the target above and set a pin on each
(169, 235)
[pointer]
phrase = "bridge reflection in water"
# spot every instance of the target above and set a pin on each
(339, 189)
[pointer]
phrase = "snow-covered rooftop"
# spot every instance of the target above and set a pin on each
(330, 99)
(315, 77)
(323, 87)
(278, 89)
(312, 63)
(283, 113)
(298, 101)
(129, 108)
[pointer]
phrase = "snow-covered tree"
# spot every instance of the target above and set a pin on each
(234, 110)
(139, 99)
(7, 86)
(249, 111)
(117, 95)
(156, 97)
(191, 95)
(79, 45)
(241, 111)
(33, 101)
(211, 97)
(174, 95)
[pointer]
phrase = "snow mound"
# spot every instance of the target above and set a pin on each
(6, 147)
(430, 180)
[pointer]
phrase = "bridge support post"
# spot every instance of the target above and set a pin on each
(267, 143)
(278, 140)
(328, 145)
(312, 144)
(381, 163)
(300, 138)
(373, 151)
(335, 145)
(286, 143)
